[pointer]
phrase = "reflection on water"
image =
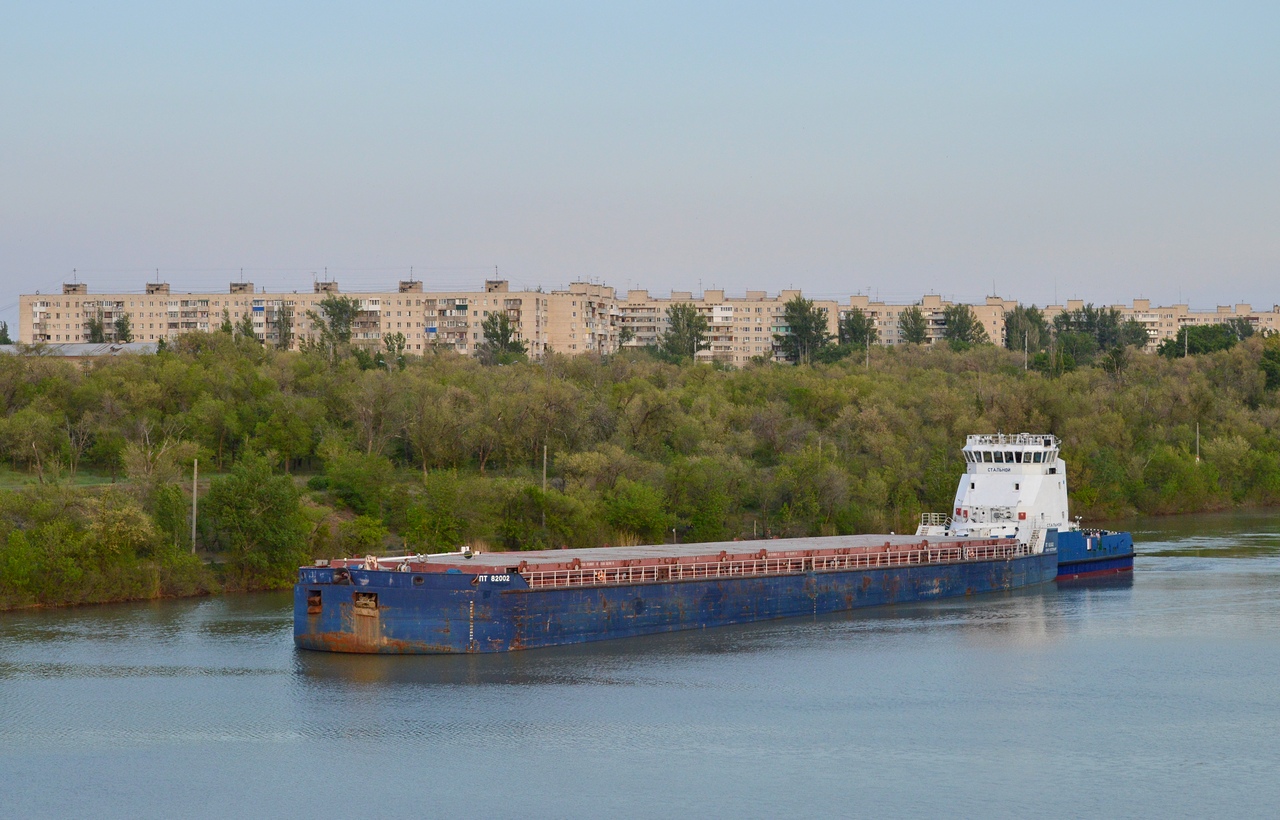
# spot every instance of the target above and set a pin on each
(1155, 689)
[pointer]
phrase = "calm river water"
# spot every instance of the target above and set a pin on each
(1157, 697)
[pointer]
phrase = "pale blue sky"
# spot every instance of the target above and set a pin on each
(1092, 150)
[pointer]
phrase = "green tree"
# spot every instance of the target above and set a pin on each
(1241, 326)
(97, 329)
(1198, 340)
(226, 326)
(433, 520)
(4, 334)
(912, 326)
(334, 324)
(253, 517)
(1025, 328)
(124, 328)
(637, 509)
(284, 328)
(395, 343)
(963, 329)
(686, 332)
(1270, 362)
(500, 344)
(362, 535)
(244, 329)
(1107, 327)
(358, 480)
(1133, 334)
(806, 331)
(857, 329)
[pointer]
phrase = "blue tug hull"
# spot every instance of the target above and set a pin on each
(383, 611)
(1089, 553)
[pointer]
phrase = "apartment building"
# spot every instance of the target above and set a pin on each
(582, 318)
(739, 328)
(428, 321)
(1164, 322)
(888, 317)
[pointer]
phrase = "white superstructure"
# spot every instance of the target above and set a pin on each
(1014, 486)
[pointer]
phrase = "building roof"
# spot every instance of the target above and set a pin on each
(79, 350)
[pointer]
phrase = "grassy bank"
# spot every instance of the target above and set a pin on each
(309, 454)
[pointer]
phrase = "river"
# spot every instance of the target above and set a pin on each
(1158, 696)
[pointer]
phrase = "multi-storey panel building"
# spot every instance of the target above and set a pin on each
(1164, 323)
(739, 328)
(427, 320)
(583, 318)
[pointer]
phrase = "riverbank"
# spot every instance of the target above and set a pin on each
(305, 455)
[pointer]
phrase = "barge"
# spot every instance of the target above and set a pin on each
(1003, 535)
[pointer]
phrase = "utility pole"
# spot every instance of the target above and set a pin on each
(1024, 350)
(195, 491)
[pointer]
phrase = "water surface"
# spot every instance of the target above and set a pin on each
(1156, 696)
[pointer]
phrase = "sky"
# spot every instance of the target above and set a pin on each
(1039, 151)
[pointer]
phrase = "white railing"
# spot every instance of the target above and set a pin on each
(771, 566)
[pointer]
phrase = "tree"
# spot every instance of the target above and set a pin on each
(284, 328)
(4, 334)
(1198, 340)
(334, 323)
(362, 535)
(1270, 362)
(244, 328)
(395, 343)
(124, 328)
(636, 509)
(806, 333)
(857, 329)
(1107, 326)
(1133, 334)
(500, 344)
(226, 326)
(1025, 327)
(912, 326)
(686, 332)
(626, 336)
(97, 330)
(253, 515)
(963, 329)
(1239, 325)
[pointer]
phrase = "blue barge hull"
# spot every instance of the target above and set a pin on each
(457, 611)
(1089, 553)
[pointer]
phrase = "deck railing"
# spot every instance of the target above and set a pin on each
(771, 566)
